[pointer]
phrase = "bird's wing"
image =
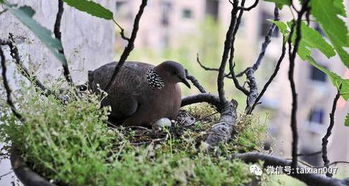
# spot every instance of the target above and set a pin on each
(124, 92)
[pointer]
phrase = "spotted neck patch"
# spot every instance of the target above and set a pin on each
(154, 80)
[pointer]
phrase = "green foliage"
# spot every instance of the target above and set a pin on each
(346, 122)
(91, 8)
(72, 144)
(251, 133)
(280, 3)
(25, 15)
(326, 13)
(311, 39)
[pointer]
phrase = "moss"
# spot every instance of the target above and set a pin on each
(72, 144)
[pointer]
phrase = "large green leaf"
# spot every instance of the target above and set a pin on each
(327, 12)
(280, 3)
(91, 8)
(312, 39)
(24, 14)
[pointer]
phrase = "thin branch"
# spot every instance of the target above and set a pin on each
(265, 44)
(129, 46)
(329, 131)
(227, 48)
(250, 7)
(232, 53)
(292, 57)
(122, 31)
(195, 82)
(58, 36)
(271, 78)
(23, 70)
(309, 179)
(237, 84)
(253, 93)
(7, 87)
(203, 66)
(203, 97)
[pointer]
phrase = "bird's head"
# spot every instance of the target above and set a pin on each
(173, 72)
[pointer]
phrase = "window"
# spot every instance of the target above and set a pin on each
(119, 5)
(265, 25)
(212, 7)
(316, 116)
(187, 13)
(121, 10)
(165, 13)
(317, 75)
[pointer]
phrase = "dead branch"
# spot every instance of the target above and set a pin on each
(329, 131)
(253, 93)
(250, 7)
(292, 57)
(227, 47)
(222, 131)
(203, 66)
(7, 87)
(310, 179)
(58, 36)
(265, 45)
(271, 78)
(200, 98)
(195, 82)
(23, 70)
(130, 44)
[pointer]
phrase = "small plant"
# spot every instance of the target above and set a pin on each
(71, 144)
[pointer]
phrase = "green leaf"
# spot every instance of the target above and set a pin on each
(282, 27)
(312, 39)
(280, 3)
(27, 10)
(91, 8)
(24, 14)
(327, 12)
(346, 122)
(337, 81)
(340, 8)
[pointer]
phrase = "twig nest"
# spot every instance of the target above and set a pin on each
(162, 123)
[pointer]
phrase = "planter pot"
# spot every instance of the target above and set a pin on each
(25, 174)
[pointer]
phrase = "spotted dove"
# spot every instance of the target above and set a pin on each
(141, 93)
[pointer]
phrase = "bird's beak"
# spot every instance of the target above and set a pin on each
(185, 82)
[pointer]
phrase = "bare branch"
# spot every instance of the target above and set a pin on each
(23, 70)
(271, 78)
(269, 160)
(227, 47)
(237, 84)
(122, 31)
(265, 44)
(253, 93)
(292, 57)
(250, 7)
(203, 66)
(203, 97)
(222, 131)
(195, 82)
(129, 46)
(329, 131)
(7, 87)
(58, 35)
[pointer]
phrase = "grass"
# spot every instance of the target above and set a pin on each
(71, 144)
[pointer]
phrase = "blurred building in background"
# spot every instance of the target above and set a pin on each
(165, 22)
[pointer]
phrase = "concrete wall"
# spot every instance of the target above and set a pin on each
(89, 42)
